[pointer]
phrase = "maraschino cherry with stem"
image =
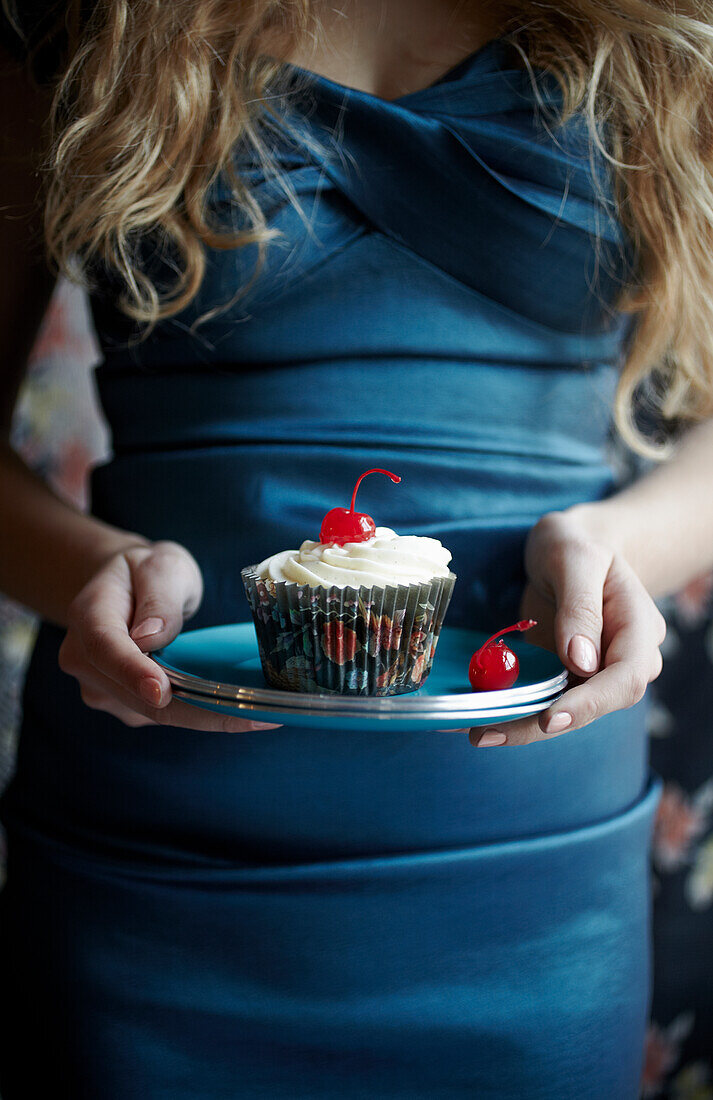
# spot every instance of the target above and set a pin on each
(494, 667)
(342, 525)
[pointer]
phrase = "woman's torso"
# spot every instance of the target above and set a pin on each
(439, 319)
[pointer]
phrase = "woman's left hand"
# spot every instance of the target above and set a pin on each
(595, 613)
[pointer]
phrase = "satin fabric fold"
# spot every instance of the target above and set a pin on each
(453, 973)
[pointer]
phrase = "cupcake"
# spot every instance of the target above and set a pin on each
(357, 613)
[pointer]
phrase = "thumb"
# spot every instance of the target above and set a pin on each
(168, 589)
(578, 584)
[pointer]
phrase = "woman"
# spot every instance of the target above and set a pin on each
(445, 238)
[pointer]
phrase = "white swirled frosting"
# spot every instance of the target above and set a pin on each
(385, 559)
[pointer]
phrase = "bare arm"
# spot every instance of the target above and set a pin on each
(117, 593)
(48, 549)
(592, 572)
(663, 523)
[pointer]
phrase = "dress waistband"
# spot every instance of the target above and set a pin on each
(560, 415)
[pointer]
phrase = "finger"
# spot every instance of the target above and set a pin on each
(632, 661)
(578, 579)
(168, 589)
(630, 668)
(631, 616)
(614, 688)
(98, 637)
(99, 700)
(634, 631)
(101, 693)
(504, 734)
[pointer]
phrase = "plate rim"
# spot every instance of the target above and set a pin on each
(302, 700)
(425, 716)
(275, 699)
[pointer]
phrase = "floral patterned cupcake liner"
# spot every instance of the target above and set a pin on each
(347, 641)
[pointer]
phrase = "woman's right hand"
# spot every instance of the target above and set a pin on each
(138, 600)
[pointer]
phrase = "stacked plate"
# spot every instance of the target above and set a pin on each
(218, 668)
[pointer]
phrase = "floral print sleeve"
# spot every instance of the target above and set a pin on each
(679, 1054)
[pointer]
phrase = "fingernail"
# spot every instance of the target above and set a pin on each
(489, 739)
(583, 653)
(265, 725)
(558, 722)
(150, 691)
(147, 628)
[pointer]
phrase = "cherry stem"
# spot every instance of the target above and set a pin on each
(394, 477)
(524, 624)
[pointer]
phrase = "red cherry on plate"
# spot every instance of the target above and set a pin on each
(494, 667)
(342, 525)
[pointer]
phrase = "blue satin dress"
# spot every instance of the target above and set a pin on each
(318, 914)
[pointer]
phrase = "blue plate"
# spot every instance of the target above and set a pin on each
(218, 668)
